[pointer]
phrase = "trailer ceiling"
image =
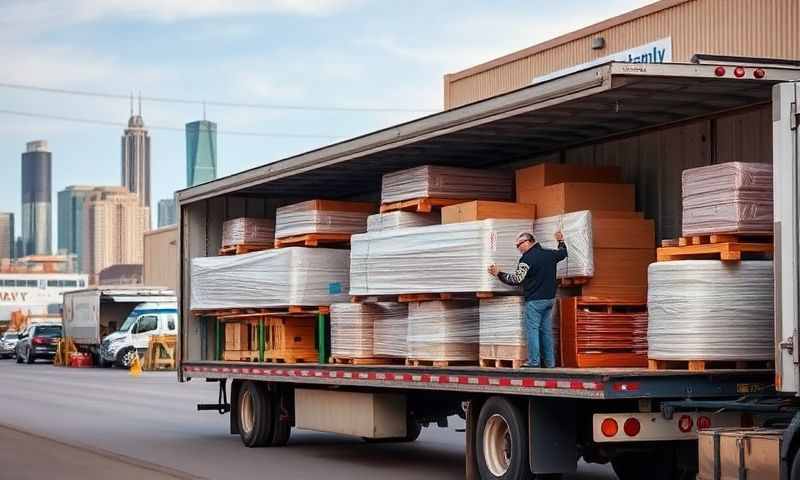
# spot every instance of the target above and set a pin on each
(584, 107)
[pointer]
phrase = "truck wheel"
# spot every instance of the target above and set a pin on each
(281, 427)
(125, 358)
(502, 441)
(255, 415)
(29, 358)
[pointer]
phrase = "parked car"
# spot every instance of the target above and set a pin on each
(38, 341)
(8, 343)
(146, 320)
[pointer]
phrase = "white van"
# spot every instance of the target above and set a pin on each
(132, 338)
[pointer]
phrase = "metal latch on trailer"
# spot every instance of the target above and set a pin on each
(222, 406)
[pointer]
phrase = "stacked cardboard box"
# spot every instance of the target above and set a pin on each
(485, 209)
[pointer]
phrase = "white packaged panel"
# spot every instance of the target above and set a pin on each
(303, 218)
(443, 330)
(447, 182)
(360, 330)
(394, 220)
(271, 278)
(577, 230)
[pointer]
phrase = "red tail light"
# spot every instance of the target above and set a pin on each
(759, 73)
(685, 423)
(739, 72)
(39, 341)
(632, 427)
(703, 423)
(609, 427)
(719, 71)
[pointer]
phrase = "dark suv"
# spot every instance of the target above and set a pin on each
(38, 341)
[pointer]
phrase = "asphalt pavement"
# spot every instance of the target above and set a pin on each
(102, 423)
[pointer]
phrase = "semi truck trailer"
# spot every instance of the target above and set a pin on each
(653, 120)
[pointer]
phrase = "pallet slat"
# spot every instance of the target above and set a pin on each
(703, 365)
(420, 205)
(366, 361)
(728, 251)
(243, 248)
(314, 240)
(415, 362)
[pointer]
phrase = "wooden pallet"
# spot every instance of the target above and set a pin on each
(64, 349)
(415, 362)
(702, 365)
(500, 363)
(160, 353)
(366, 361)
(420, 205)
(727, 251)
(240, 355)
(315, 240)
(305, 358)
(244, 248)
(243, 313)
(573, 281)
(720, 238)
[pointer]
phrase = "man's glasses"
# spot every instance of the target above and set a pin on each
(519, 244)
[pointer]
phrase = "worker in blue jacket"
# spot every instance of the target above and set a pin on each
(536, 272)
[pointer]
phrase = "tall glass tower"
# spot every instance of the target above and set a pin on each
(201, 152)
(36, 209)
(136, 157)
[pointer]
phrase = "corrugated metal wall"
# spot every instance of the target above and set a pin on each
(763, 28)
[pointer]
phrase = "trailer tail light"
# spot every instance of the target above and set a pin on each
(738, 72)
(609, 427)
(632, 427)
(719, 71)
(685, 423)
(39, 341)
(703, 423)
(759, 73)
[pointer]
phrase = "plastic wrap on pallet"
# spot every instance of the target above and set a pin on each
(243, 230)
(733, 197)
(443, 330)
(577, 230)
(710, 310)
(360, 330)
(304, 218)
(447, 182)
(502, 322)
(399, 219)
(435, 259)
(271, 278)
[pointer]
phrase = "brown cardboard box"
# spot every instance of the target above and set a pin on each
(572, 197)
(620, 274)
(482, 209)
(545, 174)
(760, 454)
(623, 232)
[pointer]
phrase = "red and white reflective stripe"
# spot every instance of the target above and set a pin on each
(508, 382)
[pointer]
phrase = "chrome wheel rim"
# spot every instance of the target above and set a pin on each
(246, 412)
(497, 445)
(127, 359)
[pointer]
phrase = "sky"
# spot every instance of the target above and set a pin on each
(352, 54)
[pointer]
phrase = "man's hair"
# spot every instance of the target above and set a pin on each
(526, 236)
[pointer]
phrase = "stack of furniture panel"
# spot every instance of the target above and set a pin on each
(503, 335)
(271, 278)
(710, 310)
(442, 332)
(248, 231)
(322, 217)
(433, 181)
(577, 230)
(399, 219)
(731, 198)
(368, 330)
(435, 259)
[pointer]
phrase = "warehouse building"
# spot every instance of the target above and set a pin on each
(664, 31)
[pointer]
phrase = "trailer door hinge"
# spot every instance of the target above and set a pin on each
(794, 117)
(790, 345)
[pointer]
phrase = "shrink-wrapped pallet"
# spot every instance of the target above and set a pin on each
(247, 230)
(438, 258)
(399, 219)
(710, 310)
(322, 216)
(443, 330)
(359, 330)
(733, 198)
(577, 230)
(503, 331)
(447, 182)
(271, 278)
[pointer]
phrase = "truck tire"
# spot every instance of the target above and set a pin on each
(255, 415)
(125, 357)
(30, 358)
(502, 441)
(281, 427)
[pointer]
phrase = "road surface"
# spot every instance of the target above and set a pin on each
(87, 423)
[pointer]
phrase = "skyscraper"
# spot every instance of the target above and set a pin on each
(136, 157)
(37, 215)
(166, 212)
(201, 152)
(6, 235)
(113, 229)
(70, 218)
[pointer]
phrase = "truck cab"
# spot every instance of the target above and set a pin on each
(145, 320)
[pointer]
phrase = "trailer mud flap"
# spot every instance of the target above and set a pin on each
(553, 436)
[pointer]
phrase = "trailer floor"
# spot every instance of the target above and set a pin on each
(153, 420)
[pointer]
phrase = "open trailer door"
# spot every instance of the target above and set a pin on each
(786, 174)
